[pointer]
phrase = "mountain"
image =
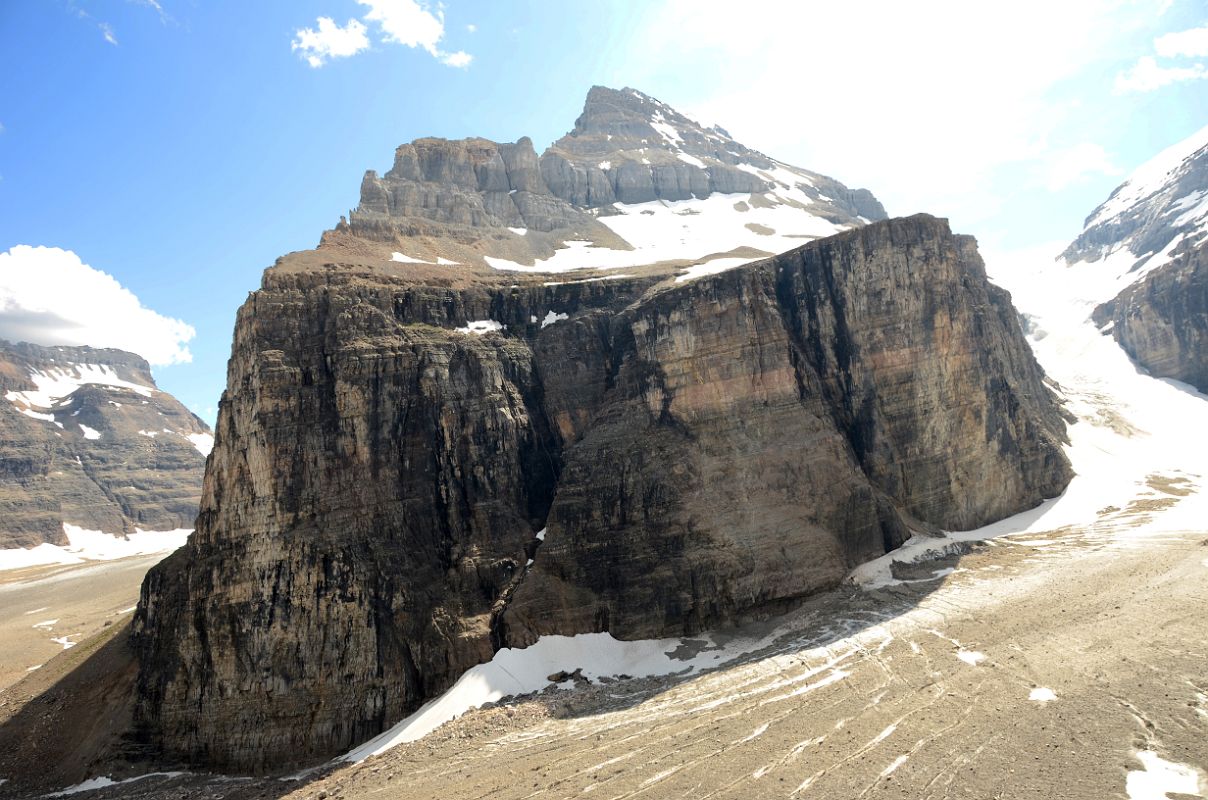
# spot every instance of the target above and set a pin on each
(634, 183)
(1150, 241)
(442, 437)
(88, 443)
(1161, 208)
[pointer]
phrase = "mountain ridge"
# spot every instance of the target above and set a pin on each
(88, 440)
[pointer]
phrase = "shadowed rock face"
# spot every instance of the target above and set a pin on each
(1162, 321)
(698, 453)
(83, 460)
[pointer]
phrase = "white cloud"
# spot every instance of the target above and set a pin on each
(925, 104)
(405, 22)
(1193, 42)
(411, 23)
(330, 41)
(1147, 76)
(107, 32)
(49, 296)
(458, 59)
(1070, 165)
(472, 28)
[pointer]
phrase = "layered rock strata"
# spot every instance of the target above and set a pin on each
(393, 497)
(458, 201)
(87, 439)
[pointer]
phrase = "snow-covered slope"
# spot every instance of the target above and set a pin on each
(1160, 209)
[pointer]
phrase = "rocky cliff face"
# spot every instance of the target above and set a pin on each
(416, 465)
(1153, 233)
(86, 439)
(1162, 321)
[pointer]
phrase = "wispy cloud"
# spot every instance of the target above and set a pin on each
(329, 41)
(1148, 75)
(407, 22)
(1071, 165)
(104, 27)
(155, 6)
(1191, 43)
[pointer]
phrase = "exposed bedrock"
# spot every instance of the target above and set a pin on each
(698, 452)
(1162, 320)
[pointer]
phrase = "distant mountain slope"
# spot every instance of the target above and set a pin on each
(1151, 237)
(634, 183)
(1161, 207)
(88, 442)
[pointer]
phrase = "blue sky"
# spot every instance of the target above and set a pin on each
(181, 146)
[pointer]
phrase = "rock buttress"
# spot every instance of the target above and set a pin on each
(698, 453)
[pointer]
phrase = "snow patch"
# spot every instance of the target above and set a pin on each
(481, 326)
(90, 433)
(1042, 694)
(971, 657)
(103, 782)
(897, 762)
(204, 442)
(605, 165)
(666, 130)
(551, 318)
(1159, 778)
(755, 734)
(55, 385)
(406, 259)
(515, 671)
(86, 545)
(712, 267)
(690, 159)
(519, 231)
(29, 412)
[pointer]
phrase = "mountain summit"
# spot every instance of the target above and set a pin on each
(635, 183)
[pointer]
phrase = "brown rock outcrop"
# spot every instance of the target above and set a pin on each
(698, 453)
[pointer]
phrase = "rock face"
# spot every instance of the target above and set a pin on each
(695, 451)
(628, 147)
(1153, 231)
(86, 439)
(458, 201)
(1162, 321)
